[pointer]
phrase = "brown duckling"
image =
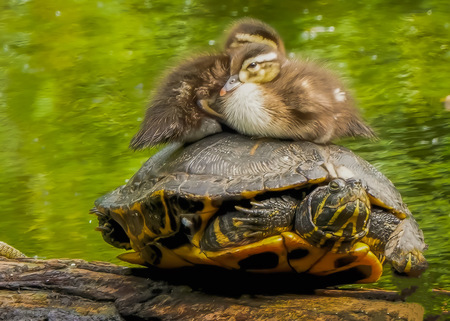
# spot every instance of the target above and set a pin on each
(180, 110)
(269, 95)
(173, 115)
(249, 30)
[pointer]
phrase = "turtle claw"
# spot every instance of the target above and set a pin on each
(255, 211)
(268, 217)
(260, 204)
(95, 211)
(252, 224)
(259, 235)
(104, 229)
(405, 247)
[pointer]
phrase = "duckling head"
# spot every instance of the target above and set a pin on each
(253, 63)
(248, 30)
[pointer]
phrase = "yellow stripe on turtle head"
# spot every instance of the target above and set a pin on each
(335, 215)
(319, 209)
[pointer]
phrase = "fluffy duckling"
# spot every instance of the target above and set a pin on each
(270, 96)
(249, 30)
(180, 110)
(173, 115)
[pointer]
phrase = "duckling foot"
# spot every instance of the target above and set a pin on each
(204, 105)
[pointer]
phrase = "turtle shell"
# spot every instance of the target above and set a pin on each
(222, 170)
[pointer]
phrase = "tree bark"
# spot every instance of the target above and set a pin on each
(60, 289)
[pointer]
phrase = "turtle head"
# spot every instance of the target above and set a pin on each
(336, 215)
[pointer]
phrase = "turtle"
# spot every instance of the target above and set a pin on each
(262, 205)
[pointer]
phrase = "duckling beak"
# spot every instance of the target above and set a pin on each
(231, 84)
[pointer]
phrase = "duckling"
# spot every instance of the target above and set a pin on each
(249, 30)
(173, 115)
(180, 110)
(268, 95)
(243, 31)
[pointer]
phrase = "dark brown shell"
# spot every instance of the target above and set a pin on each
(231, 166)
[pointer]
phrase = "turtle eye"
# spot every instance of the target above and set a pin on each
(336, 185)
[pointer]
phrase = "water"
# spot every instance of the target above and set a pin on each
(75, 77)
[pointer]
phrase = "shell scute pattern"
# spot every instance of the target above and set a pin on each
(233, 175)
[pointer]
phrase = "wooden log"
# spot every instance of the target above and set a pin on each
(59, 289)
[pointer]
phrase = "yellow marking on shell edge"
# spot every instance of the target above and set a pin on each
(132, 257)
(163, 258)
(192, 254)
(375, 201)
(136, 209)
(167, 229)
(249, 194)
(252, 194)
(220, 237)
(364, 257)
(292, 242)
(230, 257)
(205, 214)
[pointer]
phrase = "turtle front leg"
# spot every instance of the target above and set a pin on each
(247, 225)
(400, 242)
(266, 218)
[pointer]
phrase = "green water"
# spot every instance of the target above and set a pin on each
(75, 77)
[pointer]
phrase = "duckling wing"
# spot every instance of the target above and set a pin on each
(173, 114)
(323, 108)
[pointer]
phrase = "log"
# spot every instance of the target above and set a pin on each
(62, 289)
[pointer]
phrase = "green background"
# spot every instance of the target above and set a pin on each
(75, 77)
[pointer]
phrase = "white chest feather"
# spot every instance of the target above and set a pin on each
(243, 109)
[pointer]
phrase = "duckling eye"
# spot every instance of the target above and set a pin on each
(252, 65)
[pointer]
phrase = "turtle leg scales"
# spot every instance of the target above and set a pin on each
(10, 252)
(269, 217)
(266, 218)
